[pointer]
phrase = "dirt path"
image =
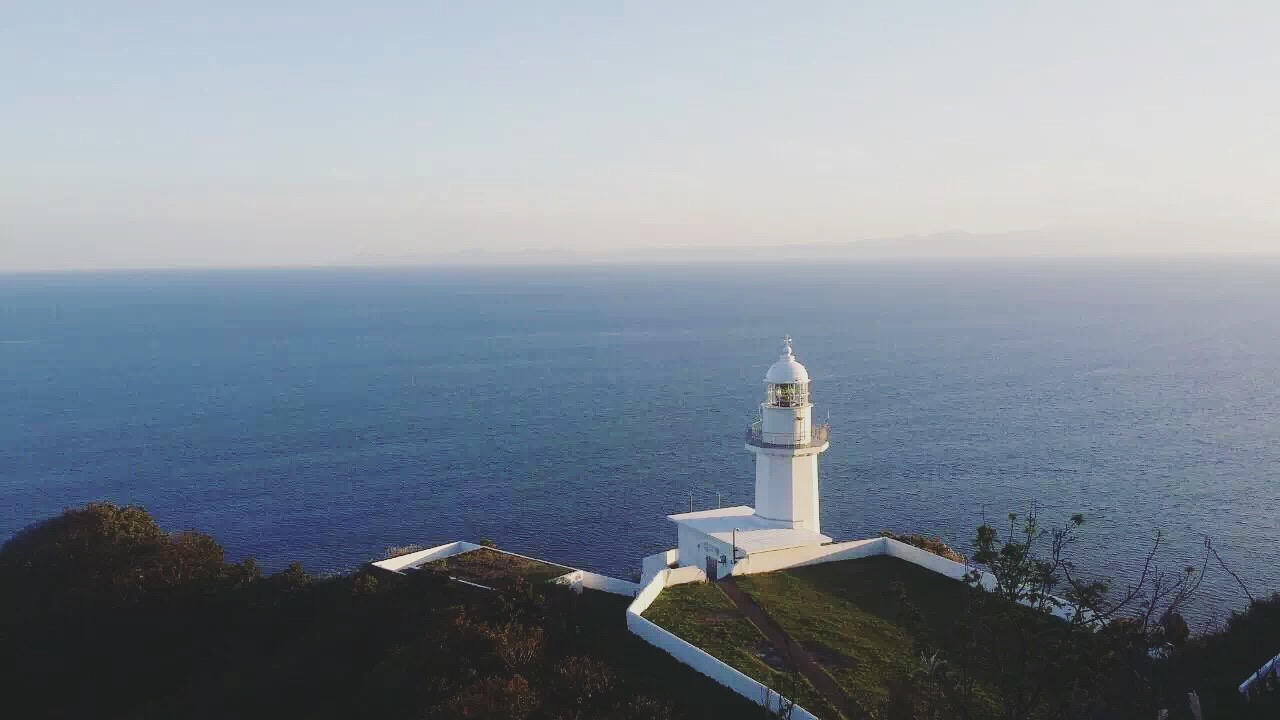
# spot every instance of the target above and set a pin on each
(803, 661)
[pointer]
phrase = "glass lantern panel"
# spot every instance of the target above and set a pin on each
(788, 394)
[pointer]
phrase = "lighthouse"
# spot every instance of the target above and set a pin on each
(786, 444)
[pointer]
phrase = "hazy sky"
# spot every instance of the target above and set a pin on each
(232, 133)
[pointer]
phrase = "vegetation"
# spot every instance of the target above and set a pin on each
(906, 643)
(863, 619)
(496, 569)
(926, 543)
(701, 614)
(1123, 652)
(104, 615)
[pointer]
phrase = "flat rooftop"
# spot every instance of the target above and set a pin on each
(754, 533)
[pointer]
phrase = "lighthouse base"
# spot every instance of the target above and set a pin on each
(714, 540)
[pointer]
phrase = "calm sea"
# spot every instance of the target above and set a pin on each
(321, 415)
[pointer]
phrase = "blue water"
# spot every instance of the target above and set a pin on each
(321, 415)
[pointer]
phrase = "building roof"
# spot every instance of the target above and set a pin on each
(754, 533)
(787, 370)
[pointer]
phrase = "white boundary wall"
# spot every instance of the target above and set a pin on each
(810, 555)
(1269, 668)
(575, 578)
(440, 552)
(764, 562)
(652, 564)
(400, 563)
(925, 559)
(664, 577)
(695, 657)
(579, 579)
(682, 575)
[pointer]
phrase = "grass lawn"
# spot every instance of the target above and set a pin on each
(845, 614)
(702, 615)
(495, 569)
(603, 619)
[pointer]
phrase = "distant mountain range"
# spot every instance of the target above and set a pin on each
(1229, 238)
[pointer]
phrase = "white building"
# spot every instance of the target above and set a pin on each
(786, 445)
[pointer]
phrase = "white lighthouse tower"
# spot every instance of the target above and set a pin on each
(786, 444)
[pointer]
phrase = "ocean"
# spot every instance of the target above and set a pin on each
(322, 415)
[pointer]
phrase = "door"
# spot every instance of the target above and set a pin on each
(713, 568)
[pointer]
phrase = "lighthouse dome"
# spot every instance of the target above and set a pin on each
(787, 370)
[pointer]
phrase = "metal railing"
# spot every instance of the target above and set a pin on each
(820, 435)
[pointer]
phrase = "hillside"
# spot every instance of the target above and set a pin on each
(105, 615)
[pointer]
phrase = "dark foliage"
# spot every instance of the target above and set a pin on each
(1112, 654)
(924, 542)
(104, 615)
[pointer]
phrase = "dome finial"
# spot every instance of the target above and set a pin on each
(788, 369)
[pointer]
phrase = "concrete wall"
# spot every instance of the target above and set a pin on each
(662, 577)
(696, 546)
(401, 563)
(682, 575)
(925, 559)
(1058, 608)
(652, 564)
(580, 579)
(576, 579)
(810, 555)
(1269, 669)
(694, 657)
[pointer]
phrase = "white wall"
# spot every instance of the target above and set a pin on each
(651, 564)
(401, 563)
(580, 579)
(577, 579)
(694, 657)
(663, 577)
(808, 555)
(925, 559)
(1269, 668)
(696, 546)
(956, 571)
(682, 575)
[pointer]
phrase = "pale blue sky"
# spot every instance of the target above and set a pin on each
(171, 133)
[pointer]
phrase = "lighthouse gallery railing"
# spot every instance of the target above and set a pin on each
(756, 436)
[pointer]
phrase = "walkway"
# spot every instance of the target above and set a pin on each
(794, 651)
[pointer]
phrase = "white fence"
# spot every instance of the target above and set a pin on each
(810, 555)
(657, 576)
(579, 579)
(575, 578)
(682, 575)
(652, 564)
(1271, 668)
(400, 563)
(695, 657)
(768, 562)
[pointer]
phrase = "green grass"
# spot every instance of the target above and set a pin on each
(848, 616)
(701, 614)
(495, 569)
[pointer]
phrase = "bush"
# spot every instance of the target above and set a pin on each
(103, 614)
(933, 545)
